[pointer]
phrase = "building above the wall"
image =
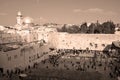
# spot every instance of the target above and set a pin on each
(23, 22)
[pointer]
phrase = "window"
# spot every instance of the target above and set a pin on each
(29, 60)
(21, 54)
(9, 58)
(15, 56)
(34, 57)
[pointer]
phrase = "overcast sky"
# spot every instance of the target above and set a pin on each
(60, 11)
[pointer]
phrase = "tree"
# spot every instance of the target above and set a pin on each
(73, 29)
(83, 28)
(98, 28)
(108, 27)
(92, 28)
(64, 29)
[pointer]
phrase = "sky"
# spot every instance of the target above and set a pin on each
(60, 11)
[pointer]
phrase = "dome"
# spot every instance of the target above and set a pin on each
(28, 20)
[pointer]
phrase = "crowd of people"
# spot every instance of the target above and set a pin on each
(100, 62)
(75, 60)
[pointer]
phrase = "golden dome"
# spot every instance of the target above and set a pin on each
(28, 20)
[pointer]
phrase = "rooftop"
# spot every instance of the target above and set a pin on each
(10, 46)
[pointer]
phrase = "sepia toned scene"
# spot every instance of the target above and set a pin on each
(59, 40)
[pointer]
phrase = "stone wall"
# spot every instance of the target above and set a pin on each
(83, 41)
